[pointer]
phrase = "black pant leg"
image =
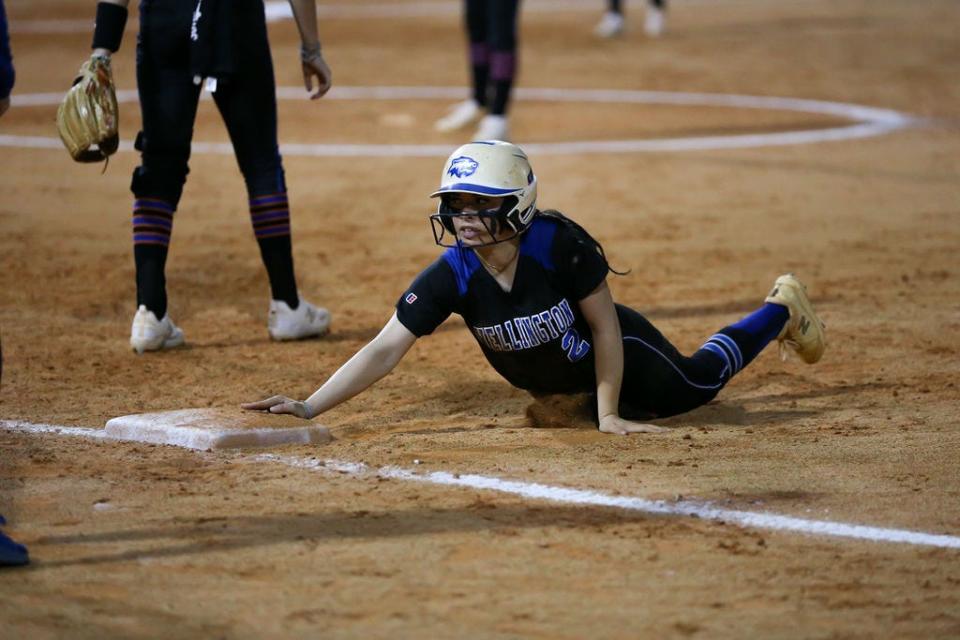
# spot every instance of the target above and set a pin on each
(248, 105)
(502, 21)
(168, 104)
(168, 99)
(475, 16)
(502, 39)
(659, 381)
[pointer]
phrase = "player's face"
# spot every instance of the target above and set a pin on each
(472, 229)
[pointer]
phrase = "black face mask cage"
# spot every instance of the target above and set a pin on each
(494, 220)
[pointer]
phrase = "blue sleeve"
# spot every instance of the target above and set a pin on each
(7, 75)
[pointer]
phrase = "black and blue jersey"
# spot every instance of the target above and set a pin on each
(535, 335)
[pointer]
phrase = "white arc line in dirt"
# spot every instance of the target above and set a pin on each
(865, 122)
(565, 495)
(276, 10)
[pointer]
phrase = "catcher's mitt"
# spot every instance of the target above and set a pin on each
(88, 115)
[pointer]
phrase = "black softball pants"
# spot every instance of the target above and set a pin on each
(492, 31)
(169, 97)
(659, 381)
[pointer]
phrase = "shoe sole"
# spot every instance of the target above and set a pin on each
(608, 35)
(292, 338)
(168, 343)
(808, 319)
(444, 125)
(456, 127)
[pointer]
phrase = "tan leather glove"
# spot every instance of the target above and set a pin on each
(88, 118)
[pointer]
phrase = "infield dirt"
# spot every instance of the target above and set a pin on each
(137, 541)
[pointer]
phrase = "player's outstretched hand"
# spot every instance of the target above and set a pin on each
(314, 66)
(619, 426)
(279, 404)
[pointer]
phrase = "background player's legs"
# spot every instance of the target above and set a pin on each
(168, 103)
(612, 22)
(655, 21)
(477, 15)
(470, 110)
(248, 105)
(11, 553)
(502, 42)
(503, 53)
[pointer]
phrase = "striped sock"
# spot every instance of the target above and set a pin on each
(152, 226)
(152, 221)
(729, 351)
(270, 215)
(741, 342)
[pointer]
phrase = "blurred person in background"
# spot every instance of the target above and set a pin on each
(11, 553)
(613, 22)
(491, 27)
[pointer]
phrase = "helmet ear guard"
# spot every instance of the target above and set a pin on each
(488, 168)
(520, 220)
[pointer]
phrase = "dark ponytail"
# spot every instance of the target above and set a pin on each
(582, 236)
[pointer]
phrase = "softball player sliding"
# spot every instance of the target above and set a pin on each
(531, 286)
(183, 46)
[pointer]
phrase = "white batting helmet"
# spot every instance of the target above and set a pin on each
(490, 168)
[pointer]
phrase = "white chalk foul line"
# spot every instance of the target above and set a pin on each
(866, 122)
(32, 427)
(565, 495)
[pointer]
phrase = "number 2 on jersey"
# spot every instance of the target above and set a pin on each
(576, 348)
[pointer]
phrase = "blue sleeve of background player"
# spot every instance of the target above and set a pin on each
(6, 59)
